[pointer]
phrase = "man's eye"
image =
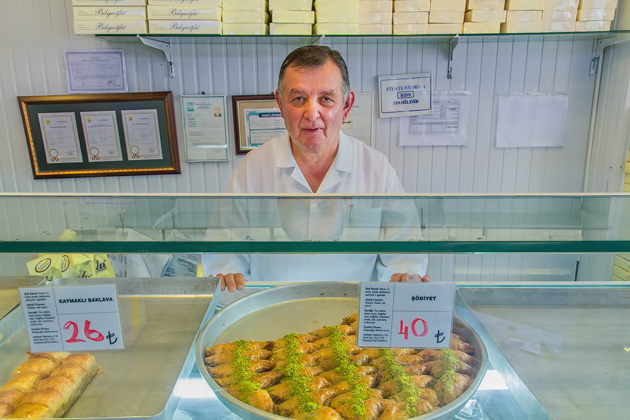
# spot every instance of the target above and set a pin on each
(298, 99)
(326, 99)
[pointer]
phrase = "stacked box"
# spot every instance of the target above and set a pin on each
(595, 15)
(484, 16)
(375, 17)
(559, 15)
(446, 16)
(98, 17)
(246, 17)
(194, 17)
(523, 16)
(336, 17)
(411, 17)
(291, 17)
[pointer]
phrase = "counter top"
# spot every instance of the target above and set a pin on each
(555, 351)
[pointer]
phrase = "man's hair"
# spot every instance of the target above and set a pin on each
(313, 57)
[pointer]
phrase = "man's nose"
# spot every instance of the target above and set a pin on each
(311, 110)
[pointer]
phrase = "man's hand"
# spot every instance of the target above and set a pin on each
(231, 281)
(403, 278)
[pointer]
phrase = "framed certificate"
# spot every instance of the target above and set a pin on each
(101, 134)
(205, 128)
(257, 120)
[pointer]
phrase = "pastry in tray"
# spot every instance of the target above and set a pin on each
(46, 385)
(325, 375)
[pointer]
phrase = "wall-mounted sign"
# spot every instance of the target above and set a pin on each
(405, 95)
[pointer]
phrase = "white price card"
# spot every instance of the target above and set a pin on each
(72, 318)
(406, 315)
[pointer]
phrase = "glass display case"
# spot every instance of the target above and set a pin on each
(556, 349)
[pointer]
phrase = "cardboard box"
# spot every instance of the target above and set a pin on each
(485, 4)
(410, 18)
(303, 5)
(109, 3)
(598, 4)
(292, 16)
(376, 6)
(596, 14)
(441, 16)
(183, 13)
(206, 4)
(521, 27)
(337, 16)
(561, 4)
(255, 5)
(446, 28)
(449, 5)
(375, 29)
(245, 16)
(481, 15)
(245, 29)
(558, 26)
(412, 5)
(110, 27)
(185, 27)
(374, 18)
(335, 5)
(410, 28)
(524, 16)
(482, 27)
(559, 15)
(593, 25)
(290, 28)
(336, 29)
(110, 13)
(524, 4)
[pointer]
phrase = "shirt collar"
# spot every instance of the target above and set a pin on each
(284, 156)
(342, 162)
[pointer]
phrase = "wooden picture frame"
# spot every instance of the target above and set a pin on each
(101, 134)
(257, 119)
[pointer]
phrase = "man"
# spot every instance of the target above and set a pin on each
(315, 157)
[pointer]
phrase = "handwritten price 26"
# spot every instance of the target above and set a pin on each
(404, 329)
(89, 333)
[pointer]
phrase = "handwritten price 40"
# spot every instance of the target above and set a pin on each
(419, 328)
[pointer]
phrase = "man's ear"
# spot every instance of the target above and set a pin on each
(347, 106)
(279, 102)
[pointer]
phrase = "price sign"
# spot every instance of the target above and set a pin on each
(72, 318)
(399, 315)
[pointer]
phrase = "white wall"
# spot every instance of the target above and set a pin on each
(35, 34)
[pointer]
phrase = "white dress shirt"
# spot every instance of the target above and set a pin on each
(357, 169)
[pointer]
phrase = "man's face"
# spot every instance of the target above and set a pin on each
(313, 107)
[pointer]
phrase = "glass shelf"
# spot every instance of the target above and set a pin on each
(377, 36)
(315, 223)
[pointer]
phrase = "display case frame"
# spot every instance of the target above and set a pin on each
(593, 226)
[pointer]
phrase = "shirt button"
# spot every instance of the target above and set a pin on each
(313, 205)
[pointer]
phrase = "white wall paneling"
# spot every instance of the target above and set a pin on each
(36, 33)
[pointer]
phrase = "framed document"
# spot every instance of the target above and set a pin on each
(96, 71)
(205, 128)
(101, 134)
(257, 120)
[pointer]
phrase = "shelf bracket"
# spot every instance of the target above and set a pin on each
(165, 47)
(601, 44)
(318, 40)
(452, 44)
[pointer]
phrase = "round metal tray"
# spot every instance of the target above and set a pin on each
(300, 308)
